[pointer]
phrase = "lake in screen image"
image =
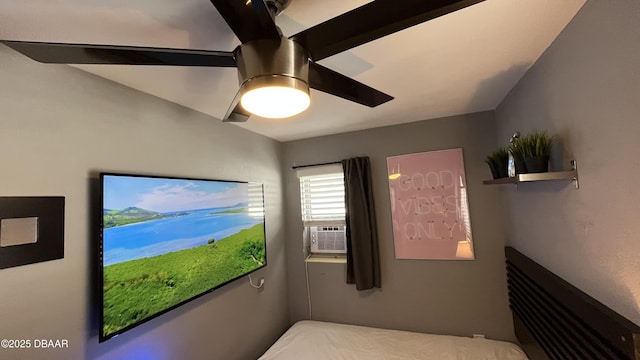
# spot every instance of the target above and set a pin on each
(168, 240)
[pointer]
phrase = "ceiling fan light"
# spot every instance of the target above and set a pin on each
(273, 77)
(275, 102)
(275, 97)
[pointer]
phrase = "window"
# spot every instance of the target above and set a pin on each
(322, 209)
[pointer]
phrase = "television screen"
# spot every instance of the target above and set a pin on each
(165, 241)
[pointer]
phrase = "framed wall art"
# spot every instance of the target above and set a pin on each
(31, 230)
(429, 206)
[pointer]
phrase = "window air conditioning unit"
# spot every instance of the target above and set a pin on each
(328, 239)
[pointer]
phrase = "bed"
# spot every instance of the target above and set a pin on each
(311, 340)
(553, 320)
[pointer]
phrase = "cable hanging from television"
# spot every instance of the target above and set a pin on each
(258, 286)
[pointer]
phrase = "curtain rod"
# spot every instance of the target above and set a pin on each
(310, 165)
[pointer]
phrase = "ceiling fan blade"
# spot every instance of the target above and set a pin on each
(236, 112)
(372, 21)
(59, 53)
(334, 83)
(249, 20)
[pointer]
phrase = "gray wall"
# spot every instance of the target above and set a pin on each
(450, 297)
(59, 128)
(586, 88)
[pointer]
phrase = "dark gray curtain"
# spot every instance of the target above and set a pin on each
(363, 259)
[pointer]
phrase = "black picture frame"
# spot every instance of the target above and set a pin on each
(49, 243)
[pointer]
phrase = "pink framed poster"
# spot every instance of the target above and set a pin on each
(429, 206)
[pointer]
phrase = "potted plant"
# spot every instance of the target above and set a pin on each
(536, 149)
(498, 162)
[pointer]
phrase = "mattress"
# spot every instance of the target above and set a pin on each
(310, 340)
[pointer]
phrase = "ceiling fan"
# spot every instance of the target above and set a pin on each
(275, 72)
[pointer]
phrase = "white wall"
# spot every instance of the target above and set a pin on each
(586, 88)
(59, 127)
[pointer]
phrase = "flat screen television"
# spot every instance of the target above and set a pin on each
(165, 241)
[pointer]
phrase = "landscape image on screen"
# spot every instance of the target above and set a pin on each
(166, 241)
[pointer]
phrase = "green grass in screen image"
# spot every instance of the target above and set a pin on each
(137, 289)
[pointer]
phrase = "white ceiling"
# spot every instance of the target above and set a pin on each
(463, 62)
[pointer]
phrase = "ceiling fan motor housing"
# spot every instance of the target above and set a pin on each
(268, 61)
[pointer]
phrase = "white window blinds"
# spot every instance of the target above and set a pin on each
(256, 200)
(322, 195)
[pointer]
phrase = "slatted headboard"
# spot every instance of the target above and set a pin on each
(555, 320)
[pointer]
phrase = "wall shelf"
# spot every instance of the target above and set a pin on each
(571, 175)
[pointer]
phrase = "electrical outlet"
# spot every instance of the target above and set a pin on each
(478, 336)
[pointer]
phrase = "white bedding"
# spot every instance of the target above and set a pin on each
(310, 340)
